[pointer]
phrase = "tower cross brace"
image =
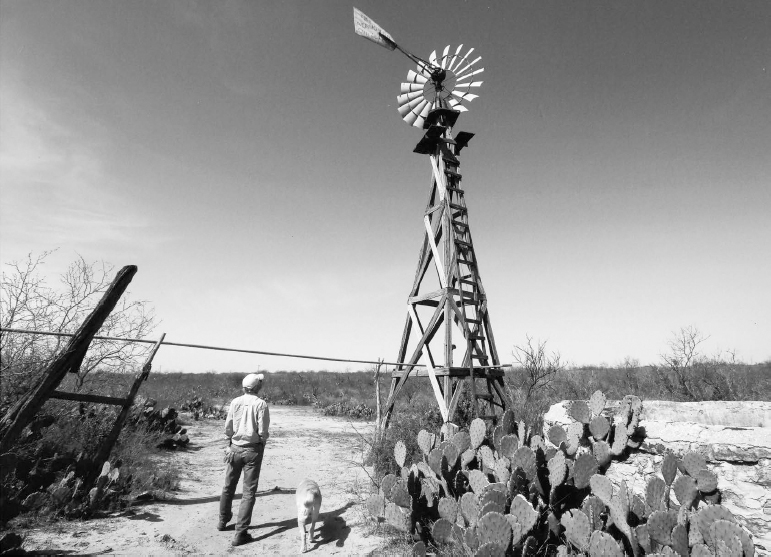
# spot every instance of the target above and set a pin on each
(457, 308)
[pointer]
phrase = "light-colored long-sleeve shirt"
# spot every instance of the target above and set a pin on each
(248, 420)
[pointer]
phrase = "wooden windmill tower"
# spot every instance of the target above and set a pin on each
(448, 326)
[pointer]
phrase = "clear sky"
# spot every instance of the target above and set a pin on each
(249, 158)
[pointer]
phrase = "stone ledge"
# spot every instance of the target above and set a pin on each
(739, 453)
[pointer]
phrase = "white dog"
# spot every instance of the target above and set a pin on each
(308, 505)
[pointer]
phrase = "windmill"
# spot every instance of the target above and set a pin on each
(453, 310)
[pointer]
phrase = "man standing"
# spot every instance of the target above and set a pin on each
(247, 428)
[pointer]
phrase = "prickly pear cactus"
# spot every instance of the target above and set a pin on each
(497, 489)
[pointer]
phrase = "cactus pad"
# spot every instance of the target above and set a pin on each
(508, 422)
(517, 530)
(685, 490)
(660, 525)
(448, 508)
(669, 467)
(601, 452)
(643, 538)
(462, 440)
(477, 432)
(603, 545)
(389, 480)
(680, 540)
(726, 529)
(401, 496)
(501, 470)
(477, 480)
(693, 462)
(493, 496)
(654, 493)
(451, 455)
(426, 441)
(602, 488)
(508, 445)
(497, 434)
(376, 505)
(557, 469)
(485, 457)
(442, 531)
(467, 457)
(524, 513)
(400, 453)
(599, 427)
(580, 412)
(729, 547)
(494, 528)
(557, 435)
(620, 437)
(597, 403)
(575, 434)
(524, 458)
(577, 529)
(706, 481)
(469, 508)
(593, 508)
(398, 517)
(435, 461)
(470, 538)
(419, 549)
(585, 467)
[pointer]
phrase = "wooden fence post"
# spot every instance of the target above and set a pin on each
(378, 409)
(21, 413)
(103, 454)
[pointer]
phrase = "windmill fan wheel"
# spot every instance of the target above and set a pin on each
(443, 83)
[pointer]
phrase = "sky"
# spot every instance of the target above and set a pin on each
(248, 157)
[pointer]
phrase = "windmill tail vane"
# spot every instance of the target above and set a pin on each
(439, 82)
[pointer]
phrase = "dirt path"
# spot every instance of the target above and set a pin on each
(302, 444)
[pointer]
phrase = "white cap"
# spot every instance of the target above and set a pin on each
(252, 380)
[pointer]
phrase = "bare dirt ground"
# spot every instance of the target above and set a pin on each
(302, 444)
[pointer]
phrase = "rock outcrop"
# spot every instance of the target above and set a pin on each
(734, 437)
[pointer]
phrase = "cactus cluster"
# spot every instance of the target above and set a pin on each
(504, 490)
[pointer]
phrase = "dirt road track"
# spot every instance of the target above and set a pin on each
(302, 444)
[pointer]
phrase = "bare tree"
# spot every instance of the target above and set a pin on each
(537, 369)
(679, 361)
(28, 302)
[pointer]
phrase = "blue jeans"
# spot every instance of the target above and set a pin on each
(248, 459)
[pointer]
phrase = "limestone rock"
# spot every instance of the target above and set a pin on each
(734, 437)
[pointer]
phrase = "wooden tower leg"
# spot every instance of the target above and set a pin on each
(460, 302)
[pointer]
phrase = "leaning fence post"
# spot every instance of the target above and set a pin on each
(378, 410)
(21, 413)
(103, 454)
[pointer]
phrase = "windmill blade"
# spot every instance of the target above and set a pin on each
(455, 56)
(407, 97)
(467, 67)
(432, 58)
(463, 59)
(464, 95)
(470, 84)
(418, 123)
(443, 65)
(416, 77)
(456, 105)
(410, 87)
(411, 116)
(471, 74)
(410, 106)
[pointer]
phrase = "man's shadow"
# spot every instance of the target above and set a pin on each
(332, 528)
